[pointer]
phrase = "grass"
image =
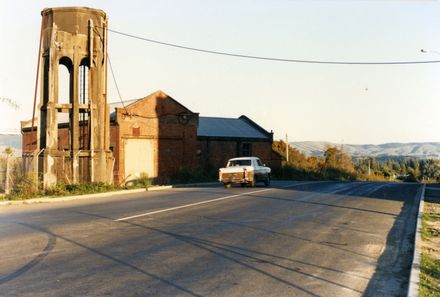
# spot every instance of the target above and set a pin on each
(428, 231)
(429, 276)
(27, 191)
(60, 190)
(430, 262)
(25, 187)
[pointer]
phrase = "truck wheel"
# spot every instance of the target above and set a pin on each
(227, 185)
(267, 181)
(243, 185)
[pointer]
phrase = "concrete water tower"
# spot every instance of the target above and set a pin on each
(74, 41)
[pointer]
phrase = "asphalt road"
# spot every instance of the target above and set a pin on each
(293, 239)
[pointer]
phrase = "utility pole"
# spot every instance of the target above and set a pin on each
(287, 150)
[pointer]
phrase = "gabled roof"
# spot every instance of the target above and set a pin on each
(128, 103)
(114, 105)
(242, 127)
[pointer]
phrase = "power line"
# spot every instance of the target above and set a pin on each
(270, 58)
(116, 84)
(111, 69)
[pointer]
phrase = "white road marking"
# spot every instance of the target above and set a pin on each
(204, 202)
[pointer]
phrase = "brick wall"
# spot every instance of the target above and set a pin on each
(173, 129)
(170, 124)
(214, 153)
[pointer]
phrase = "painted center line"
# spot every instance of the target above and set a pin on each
(205, 202)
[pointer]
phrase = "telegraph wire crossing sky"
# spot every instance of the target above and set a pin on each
(235, 55)
(328, 102)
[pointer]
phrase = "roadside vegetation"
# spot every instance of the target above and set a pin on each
(26, 190)
(430, 262)
(23, 187)
(335, 164)
(188, 176)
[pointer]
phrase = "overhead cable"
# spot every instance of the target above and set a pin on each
(116, 84)
(272, 58)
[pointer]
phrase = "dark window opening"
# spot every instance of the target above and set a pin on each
(246, 149)
(84, 81)
(43, 111)
(136, 131)
(64, 95)
(239, 163)
(83, 84)
(65, 81)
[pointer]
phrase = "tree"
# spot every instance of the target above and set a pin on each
(430, 169)
(337, 158)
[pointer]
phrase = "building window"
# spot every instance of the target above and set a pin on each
(83, 81)
(83, 91)
(246, 150)
(65, 81)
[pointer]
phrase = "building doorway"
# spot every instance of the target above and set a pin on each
(139, 158)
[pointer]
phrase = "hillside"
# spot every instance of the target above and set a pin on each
(421, 150)
(11, 140)
(418, 150)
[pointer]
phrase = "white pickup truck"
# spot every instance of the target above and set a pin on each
(244, 171)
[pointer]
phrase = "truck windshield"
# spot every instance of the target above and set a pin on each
(239, 163)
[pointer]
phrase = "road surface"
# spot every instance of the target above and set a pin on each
(293, 239)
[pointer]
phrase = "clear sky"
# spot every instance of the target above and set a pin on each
(338, 103)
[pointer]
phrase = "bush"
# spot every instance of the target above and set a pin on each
(325, 173)
(142, 182)
(89, 188)
(24, 188)
(335, 173)
(187, 175)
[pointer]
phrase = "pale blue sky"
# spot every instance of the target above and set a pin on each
(339, 103)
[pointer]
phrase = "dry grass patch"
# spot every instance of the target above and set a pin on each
(430, 264)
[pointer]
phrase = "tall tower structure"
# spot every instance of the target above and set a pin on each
(74, 39)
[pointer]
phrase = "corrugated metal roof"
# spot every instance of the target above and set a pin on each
(114, 105)
(227, 127)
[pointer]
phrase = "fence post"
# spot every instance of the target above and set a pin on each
(35, 165)
(7, 186)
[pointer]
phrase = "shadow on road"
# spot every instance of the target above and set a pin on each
(241, 256)
(392, 268)
(391, 277)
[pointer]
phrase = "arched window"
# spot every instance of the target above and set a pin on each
(84, 81)
(65, 81)
(83, 92)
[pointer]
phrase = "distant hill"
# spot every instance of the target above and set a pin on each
(420, 150)
(11, 140)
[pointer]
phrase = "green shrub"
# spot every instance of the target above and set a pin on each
(142, 182)
(187, 175)
(57, 190)
(89, 188)
(24, 188)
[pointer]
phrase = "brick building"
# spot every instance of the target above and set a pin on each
(219, 139)
(159, 136)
